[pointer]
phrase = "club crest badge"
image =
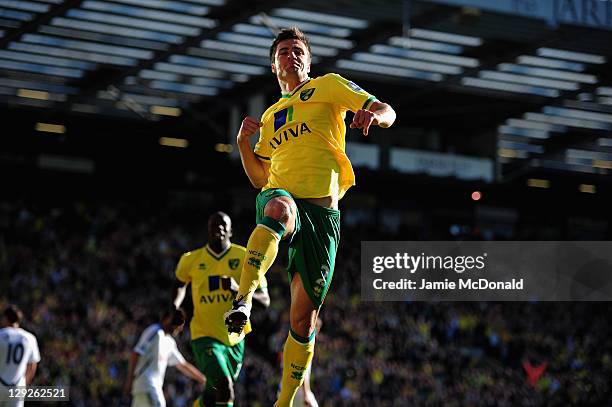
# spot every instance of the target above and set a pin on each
(306, 94)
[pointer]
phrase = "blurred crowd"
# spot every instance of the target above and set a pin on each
(91, 276)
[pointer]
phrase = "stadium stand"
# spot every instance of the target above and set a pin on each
(91, 274)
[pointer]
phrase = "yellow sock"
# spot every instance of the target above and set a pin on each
(261, 252)
(296, 359)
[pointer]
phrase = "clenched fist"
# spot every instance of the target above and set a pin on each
(249, 126)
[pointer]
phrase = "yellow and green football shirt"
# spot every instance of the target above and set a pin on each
(209, 274)
(302, 137)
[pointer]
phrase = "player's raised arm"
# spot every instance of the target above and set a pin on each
(385, 115)
(379, 114)
(256, 170)
(178, 293)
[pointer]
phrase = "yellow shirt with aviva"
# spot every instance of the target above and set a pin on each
(209, 274)
(302, 137)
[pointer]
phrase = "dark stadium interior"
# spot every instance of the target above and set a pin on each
(94, 217)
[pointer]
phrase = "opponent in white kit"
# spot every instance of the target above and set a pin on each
(19, 354)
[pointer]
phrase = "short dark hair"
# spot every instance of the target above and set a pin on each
(292, 33)
(13, 314)
(218, 214)
(177, 316)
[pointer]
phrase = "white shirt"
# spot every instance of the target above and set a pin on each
(157, 350)
(18, 347)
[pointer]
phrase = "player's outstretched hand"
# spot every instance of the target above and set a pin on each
(249, 126)
(363, 119)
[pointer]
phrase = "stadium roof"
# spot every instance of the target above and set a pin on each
(154, 58)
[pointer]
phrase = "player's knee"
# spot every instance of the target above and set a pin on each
(279, 209)
(225, 390)
(304, 327)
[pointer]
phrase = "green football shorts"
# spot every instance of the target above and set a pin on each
(313, 245)
(217, 360)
